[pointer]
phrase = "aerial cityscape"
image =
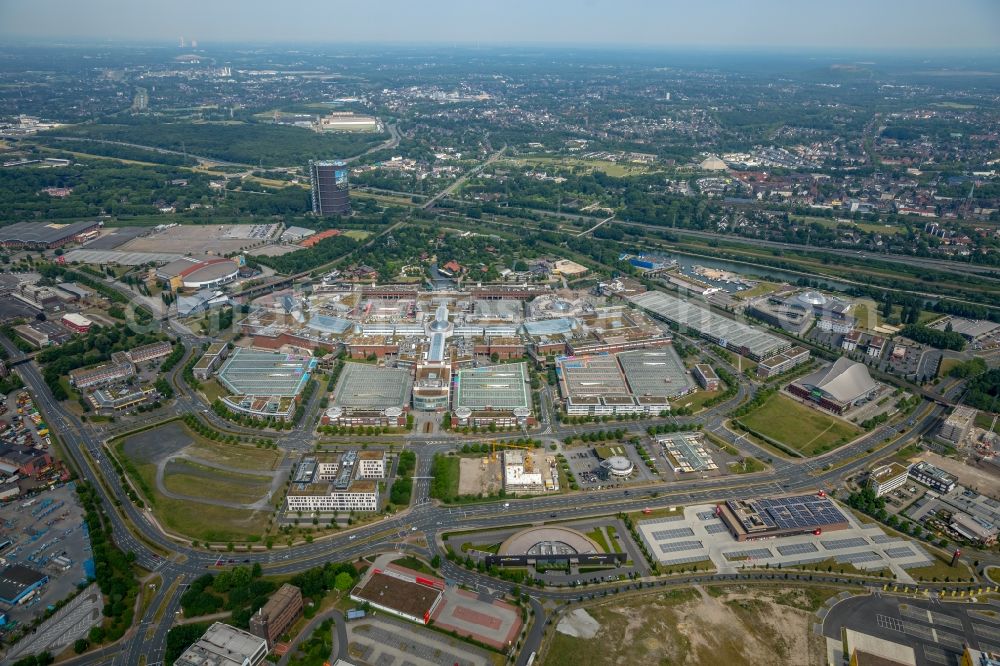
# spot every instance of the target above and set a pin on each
(435, 335)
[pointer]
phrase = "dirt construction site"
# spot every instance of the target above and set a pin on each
(480, 475)
(697, 626)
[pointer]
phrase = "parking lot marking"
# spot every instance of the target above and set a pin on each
(887, 622)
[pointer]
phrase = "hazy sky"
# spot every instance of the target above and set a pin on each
(825, 24)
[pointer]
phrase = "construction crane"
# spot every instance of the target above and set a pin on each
(494, 444)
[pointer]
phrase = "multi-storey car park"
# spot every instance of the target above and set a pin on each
(495, 394)
(369, 395)
(265, 373)
(640, 381)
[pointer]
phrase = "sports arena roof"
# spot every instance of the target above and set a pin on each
(844, 381)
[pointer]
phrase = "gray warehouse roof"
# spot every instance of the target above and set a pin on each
(494, 386)
(714, 326)
(43, 232)
(364, 386)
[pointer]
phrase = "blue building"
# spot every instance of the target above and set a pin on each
(17, 582)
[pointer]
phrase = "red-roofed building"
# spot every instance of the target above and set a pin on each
(315, 238)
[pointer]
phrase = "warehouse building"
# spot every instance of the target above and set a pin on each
(33, 335)
(18, 583)
(743, 339)
(837, 387)
(223, 645)
(45, 236)
(76, 322)
(401, 592)
(976, 530)
(767, 518)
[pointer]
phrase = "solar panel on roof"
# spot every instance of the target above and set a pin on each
(678, 546)
(797, 548)
(895, 553)
(716, 528)
(663, 535)
(837, 544)
(856, 558)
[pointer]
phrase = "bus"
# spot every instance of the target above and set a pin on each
(531, 659)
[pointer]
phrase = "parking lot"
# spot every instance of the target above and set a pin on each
(936, 631)
(903, 497)
(386, 641)
(586, 467)
(41, 529)
(697, 534)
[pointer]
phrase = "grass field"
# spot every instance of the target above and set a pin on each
(750, 466)
(947, 364)
(445, 471)
(204, 522)
(240, 456)
(413, 563)
(611, 168)
(357, 234)
(696, 400)
(763, 287)
(597, 534)
(807, 430)
(189, 478)
(213, 390)
(984, 420)
(940, 570)
(198, 520)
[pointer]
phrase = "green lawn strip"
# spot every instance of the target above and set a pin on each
(445, 470)
(413, 563)
(597, 534)
(749, 466)
(612, 533)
